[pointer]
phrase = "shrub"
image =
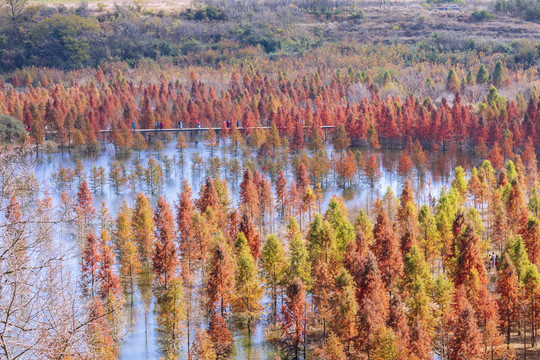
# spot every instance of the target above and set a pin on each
(357, 15)
(481, 15)
(11, 130)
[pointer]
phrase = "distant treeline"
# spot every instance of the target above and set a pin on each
(45, 36)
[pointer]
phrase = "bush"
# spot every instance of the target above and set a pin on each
(357, 15)
(11, 130)
(481, 15)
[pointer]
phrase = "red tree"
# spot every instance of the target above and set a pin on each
(165, 258)
(293, 316)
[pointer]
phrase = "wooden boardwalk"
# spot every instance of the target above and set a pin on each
(179, 130)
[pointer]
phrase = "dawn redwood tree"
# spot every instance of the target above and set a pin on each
(407, 218)
(371, 170)
(100, 332)
(220, 278)
(323, 292)
(372, 299)
(405, 165)
(84, 207)
(90, 264)
(246, 301)
(184, 221)
(247, 227)
(165, 259)
(387, 251)
(341, 139)
(345, 308)
(220, 335)
(508, 292)
(299, 265)
(333, 349)
(274, 265)
(293, 317)
(143, 229)
(281, 191)
(108, 279)
(530, 297)
(531, 236)
(171, 314)
(466, 338)
(249, 197)
(467, 263)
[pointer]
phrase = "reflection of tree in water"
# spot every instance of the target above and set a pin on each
(171, 314)
(145, 285)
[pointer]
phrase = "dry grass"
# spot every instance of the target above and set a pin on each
(154, 5)
(410, 22)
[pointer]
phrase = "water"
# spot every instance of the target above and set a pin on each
(141, 339)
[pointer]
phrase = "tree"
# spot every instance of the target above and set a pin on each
(274, 266)
(531, 294)
(203, 348)
(405, 165)
(467, 264)
(220, 335)
(466, 339)
(281, 191)
(345, 308)
(84, 208)
(452, 82)
(507, 288)
(90, 264)
(341, 140)
(482, 75)
(531, 237)
(165, 259)
(387, 251)
(220, 278)
(153, 175)
(99, 332)
(249, 197)
(11, 130)
(171, 314)
(338, 217)
(211, 141)
(371, 170)
(333, 349)
(299, 265)
(498, 74)
(293, 317)
(109, 280)
(143, 229)
(246, 302)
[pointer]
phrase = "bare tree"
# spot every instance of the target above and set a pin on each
(16, 7)
(42, 315)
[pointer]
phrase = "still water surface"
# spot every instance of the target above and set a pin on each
(141, 340)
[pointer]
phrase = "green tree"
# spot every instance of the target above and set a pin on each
(274, 265)
(482, 76)
(248, 293)
(498, 74)
(452, 82)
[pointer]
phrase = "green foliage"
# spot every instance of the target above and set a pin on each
(481, 15)
(62, 40)
(339, 219)
(299, 262)
(518, 254)
(498, 74)
(452, 81)
(11, 130)
(482, 76)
